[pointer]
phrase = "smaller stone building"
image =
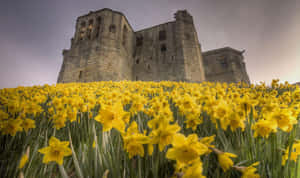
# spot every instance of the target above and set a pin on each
(225, 65)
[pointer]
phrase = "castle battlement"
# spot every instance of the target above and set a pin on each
(105, 47)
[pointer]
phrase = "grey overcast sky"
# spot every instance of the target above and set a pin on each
(33, 33)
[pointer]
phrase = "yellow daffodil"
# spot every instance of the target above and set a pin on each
(134, 141)
(224, 159)
(248, 172)
(295, 153)
(28, 124)
(163, 135)
(23, 161)
(56, 151)
(12, 126)
(194, 171)
(207, 141)
(186, 149)
(112, 117)
(284, 119)
(264, 128)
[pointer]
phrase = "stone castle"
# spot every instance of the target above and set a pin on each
(105, 47)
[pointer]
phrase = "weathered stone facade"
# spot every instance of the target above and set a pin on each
(226, 65)
(105, 47)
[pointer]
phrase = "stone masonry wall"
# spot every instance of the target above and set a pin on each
(101, 51)
(155, 58)
(169, 51)
(225, 65)
(105, 47)
(188, 47)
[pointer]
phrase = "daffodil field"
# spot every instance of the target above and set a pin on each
(150, 129)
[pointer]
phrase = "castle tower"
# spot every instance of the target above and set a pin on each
(188, 47)
(101, 49)
(169, 51)
(225, 65)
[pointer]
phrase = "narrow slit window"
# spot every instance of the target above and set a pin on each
(162, 35)
(82, 30)
(112, 28)
(139, 41)
(163, 48)
(80, 74)
(125, 31)
(98, 26)
(90, 27)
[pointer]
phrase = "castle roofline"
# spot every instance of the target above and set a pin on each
(220, 50)
(106, 9)
(297, 83)
(155, 26)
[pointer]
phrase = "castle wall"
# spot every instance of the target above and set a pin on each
(175, 57)
(105, 47)
(225, 65)
(155, 59)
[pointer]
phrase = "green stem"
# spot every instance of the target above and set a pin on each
(96, 148)
(62, 171)
(76, 163)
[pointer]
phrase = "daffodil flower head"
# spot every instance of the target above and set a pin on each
(264, 127)
(186, 149)
(56, 151)
(224, 159)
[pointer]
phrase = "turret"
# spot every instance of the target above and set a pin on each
(101, 49)
(190, 50)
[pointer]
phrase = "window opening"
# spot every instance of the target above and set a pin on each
(125, 30)
(98, 26)
(82, 30)
(163, 48)
(90, 27)
(139, 41)
(162, 35)
(187, 36)
(112, 28)
(80, 74)
(224, 63)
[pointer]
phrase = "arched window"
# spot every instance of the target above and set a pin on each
(98, 26)
(124, 39)
(112, 28)
(137, 61)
